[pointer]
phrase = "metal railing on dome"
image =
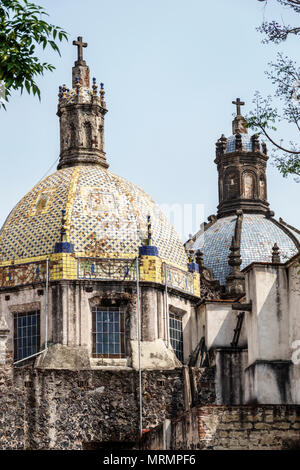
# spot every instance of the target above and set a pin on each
(179, 279)
(106, 269)
(23, 273)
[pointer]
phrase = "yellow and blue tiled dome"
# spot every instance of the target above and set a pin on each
(258, 236)
(106, 217)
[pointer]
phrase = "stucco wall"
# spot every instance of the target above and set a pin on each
(268, 322)
(218, 321)
(273, 330)
(70, 317)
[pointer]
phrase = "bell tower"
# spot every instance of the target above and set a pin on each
(241, 161)
(81, 112)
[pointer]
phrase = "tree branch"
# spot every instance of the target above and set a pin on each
(274, 143)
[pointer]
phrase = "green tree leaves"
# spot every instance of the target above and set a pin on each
(285, 76)
(22, 29)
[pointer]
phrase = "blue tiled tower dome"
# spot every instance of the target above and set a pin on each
(258, 236)
(243, 207)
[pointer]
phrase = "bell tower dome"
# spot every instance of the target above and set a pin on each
(241, 161)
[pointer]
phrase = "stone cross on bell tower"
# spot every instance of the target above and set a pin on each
(238, 104)
(80, 71)
(80, 45)
(239, 124)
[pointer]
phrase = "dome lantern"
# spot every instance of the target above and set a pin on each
(81, 112)
(241, 160)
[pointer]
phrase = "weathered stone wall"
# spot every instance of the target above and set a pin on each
(241, 427)
(203, 385)
(12, 397)
(63, 409)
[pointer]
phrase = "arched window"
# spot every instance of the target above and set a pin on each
(231, 185)
(248, 185)
(262, 187)
(87, 135)
(72, 136)
(101, 137)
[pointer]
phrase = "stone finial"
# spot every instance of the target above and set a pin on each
(234, 258)
(264, 148)
(63, 229)
(63, 246)
(191, 256)
(102, 96)
(149, 231)
(255, 143)
(238, 142)
(235, 281)
(212, 218)
(275, 254)
(221, 145)
(95, 87)
(192, 266)
(147, 249)
(199, 259)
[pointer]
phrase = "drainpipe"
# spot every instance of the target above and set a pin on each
(47, 303)
(167, 308)
(139, 344)
(46, 319)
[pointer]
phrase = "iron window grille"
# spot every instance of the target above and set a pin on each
(108, 332)
(176, 335)
(26, 334)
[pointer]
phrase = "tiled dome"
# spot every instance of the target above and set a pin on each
(105, 217)
(246, 143)
(257, 239)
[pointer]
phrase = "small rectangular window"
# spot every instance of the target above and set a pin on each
(26, 334)
(176, 336)
(108, 332)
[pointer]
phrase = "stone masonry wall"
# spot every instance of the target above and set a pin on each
(239, 427)
(63, 409)
(12, 397)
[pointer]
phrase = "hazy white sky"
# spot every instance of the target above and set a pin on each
(170, 69)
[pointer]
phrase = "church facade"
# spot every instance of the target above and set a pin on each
(110, 326)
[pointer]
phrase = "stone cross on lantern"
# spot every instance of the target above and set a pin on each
(80, 45)
(238, 104)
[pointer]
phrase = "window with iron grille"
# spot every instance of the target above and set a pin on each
(176, 336)
(108, 332)
(26, 334)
